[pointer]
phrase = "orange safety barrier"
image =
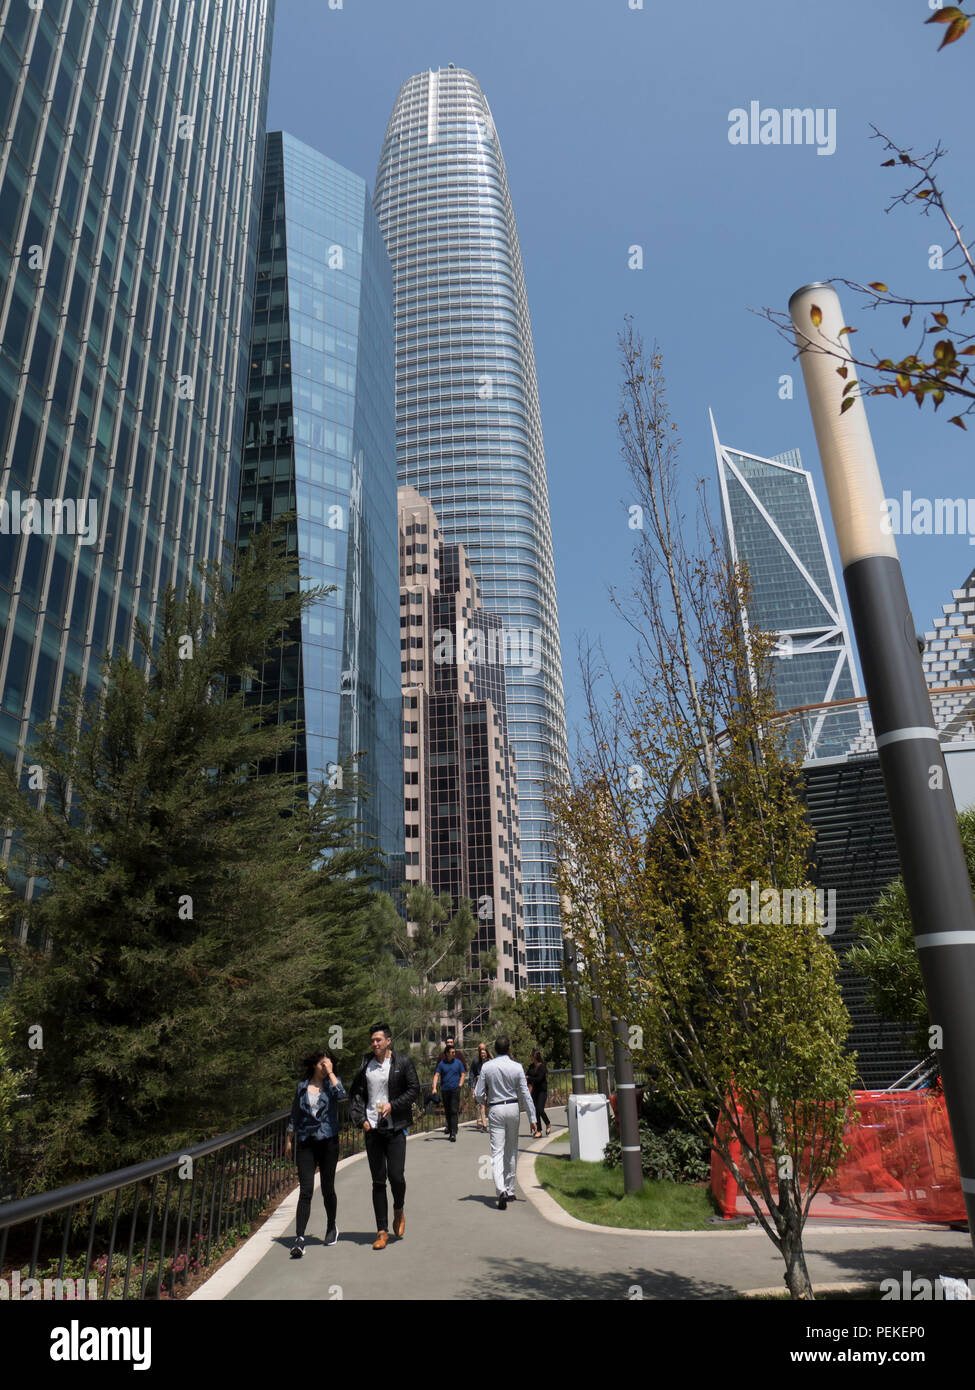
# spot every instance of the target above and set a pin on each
(899, 1164)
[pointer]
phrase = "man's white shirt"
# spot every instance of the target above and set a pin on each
(503, 1079)
(377, 1083)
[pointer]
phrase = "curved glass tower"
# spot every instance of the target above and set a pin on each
(319, 442)
(468, 424)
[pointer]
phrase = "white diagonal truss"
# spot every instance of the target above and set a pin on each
(832, 635)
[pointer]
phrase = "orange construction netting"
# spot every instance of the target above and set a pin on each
(899, 1165)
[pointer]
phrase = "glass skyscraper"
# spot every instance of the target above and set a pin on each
(129, 183)
(468, 424)
(772, 522)
(320, 441)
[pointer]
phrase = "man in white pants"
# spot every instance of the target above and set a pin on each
(502, 1085)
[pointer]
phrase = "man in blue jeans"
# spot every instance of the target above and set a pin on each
(451, 1072)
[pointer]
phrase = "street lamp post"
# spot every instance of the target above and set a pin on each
(577, 1052)
(922, 808)
(626, 1111)
(602, 1072)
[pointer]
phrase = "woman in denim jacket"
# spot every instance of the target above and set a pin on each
(315, 1122)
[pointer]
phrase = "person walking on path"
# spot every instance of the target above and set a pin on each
(450, 1042)
(483, 1055)
(452, 1072)
(381, 1100)
(537, 1076)
(502, 1084)
(315, 1123)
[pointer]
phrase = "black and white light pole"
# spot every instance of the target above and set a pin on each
(602, 1071)
(627, 1115)
(922, 808)
(577, 1050)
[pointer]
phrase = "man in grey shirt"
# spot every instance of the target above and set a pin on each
(502, 1085)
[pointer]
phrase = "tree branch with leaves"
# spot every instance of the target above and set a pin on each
(934, 371)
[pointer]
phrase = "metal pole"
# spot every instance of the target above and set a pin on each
(602, 1071)
(629, 1120)
(922, 809)
(577, 1054)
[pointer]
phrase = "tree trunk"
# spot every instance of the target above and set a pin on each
(796, 1274)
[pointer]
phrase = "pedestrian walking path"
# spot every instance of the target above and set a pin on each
(459, 1246)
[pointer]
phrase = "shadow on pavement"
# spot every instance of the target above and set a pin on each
(891, 1262)
(524, 1279)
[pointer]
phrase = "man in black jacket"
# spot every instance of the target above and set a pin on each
(381, 1100)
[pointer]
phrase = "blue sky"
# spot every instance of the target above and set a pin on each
(614, 127)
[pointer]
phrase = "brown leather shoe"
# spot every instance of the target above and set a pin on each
(381, 1241)
(399, 1224)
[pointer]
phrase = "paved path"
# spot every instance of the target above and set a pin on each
(459, 1246)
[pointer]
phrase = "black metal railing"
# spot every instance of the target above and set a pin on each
(142, 1231)
(560, 1083)
(150, 1230)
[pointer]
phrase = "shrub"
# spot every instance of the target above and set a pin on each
(673, 1156)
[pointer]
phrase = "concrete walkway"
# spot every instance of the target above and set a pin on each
(459, 1246)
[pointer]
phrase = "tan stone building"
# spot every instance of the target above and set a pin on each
(459, 777)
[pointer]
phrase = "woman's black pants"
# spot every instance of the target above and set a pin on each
(539, 1098)
(322, 1154)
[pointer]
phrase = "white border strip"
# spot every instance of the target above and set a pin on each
(896, 735)
(945, 938)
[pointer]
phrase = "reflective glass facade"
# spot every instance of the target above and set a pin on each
(128, 205)
(320, 442)
(772, 523)
(469, 434)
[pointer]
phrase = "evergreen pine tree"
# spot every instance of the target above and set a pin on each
(200, 922)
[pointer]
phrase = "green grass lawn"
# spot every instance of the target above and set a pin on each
(590, 1192)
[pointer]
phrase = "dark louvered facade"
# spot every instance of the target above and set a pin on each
(856, 856)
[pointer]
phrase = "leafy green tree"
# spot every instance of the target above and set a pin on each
(887, 957)
(537, 1018)
(197, 918)
(426, 976)
(686, 796)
